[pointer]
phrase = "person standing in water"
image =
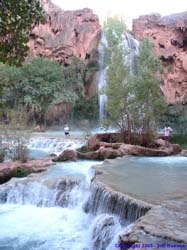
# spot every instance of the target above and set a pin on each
(66, 131)
(167, 134)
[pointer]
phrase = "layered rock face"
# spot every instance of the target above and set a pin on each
(65, 34)
(169, 35)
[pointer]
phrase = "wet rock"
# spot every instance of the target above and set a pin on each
(159, 225)
(102, 233)
(19, 169)
(67, 155)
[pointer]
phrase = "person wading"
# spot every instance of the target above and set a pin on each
(66, 131)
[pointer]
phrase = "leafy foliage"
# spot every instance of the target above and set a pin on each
(17, 19)
(86, 109)
(135, 103)
(21, 172)
(146, 86)
(40, 85)
(176, 116)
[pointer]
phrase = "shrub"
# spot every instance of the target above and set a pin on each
(21, 172)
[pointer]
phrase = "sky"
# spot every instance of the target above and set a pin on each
(129, 9)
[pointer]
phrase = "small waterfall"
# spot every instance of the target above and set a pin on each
(53, 145)
(57, 206)
(102, 231)
(44, 194)
(102, 77)
(103, 200)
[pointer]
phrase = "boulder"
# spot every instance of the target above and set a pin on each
(93, 155)
(66, 155)
(184, 152)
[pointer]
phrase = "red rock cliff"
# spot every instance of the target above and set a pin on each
(65, 34)
(169, 35)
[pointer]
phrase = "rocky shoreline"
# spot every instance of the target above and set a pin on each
(20, 169)
(101, 146)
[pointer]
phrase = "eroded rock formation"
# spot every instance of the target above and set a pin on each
(169, 35)
(104, 146)
(65, 34)
(162, 227)
(18, 169)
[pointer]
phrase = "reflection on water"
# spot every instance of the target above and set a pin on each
(151, 179)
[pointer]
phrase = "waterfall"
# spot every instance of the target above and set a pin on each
(56, 207)
(102, 231)
(131, 45)
(52, 145)
(103, 200)
(48, 212)
(33, 192)
(102, 77)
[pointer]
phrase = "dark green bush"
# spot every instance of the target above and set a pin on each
(21, 172)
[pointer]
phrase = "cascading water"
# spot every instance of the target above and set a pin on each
(131, 45)
(42, 146)
(50, 210)
(102, 77)
(46, 211)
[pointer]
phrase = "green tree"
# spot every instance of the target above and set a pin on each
(73, 76)
(135, 102)
(42, 83)
(146, 87)
(17, 18)
(118, 77)
(86, 109)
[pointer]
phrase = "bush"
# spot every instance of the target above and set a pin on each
(179, 139)
(21, 172)
(86, 109)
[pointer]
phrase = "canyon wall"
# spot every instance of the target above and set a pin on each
(169, 35)
(65, 34)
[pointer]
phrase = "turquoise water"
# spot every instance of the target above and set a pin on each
(152, 179)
